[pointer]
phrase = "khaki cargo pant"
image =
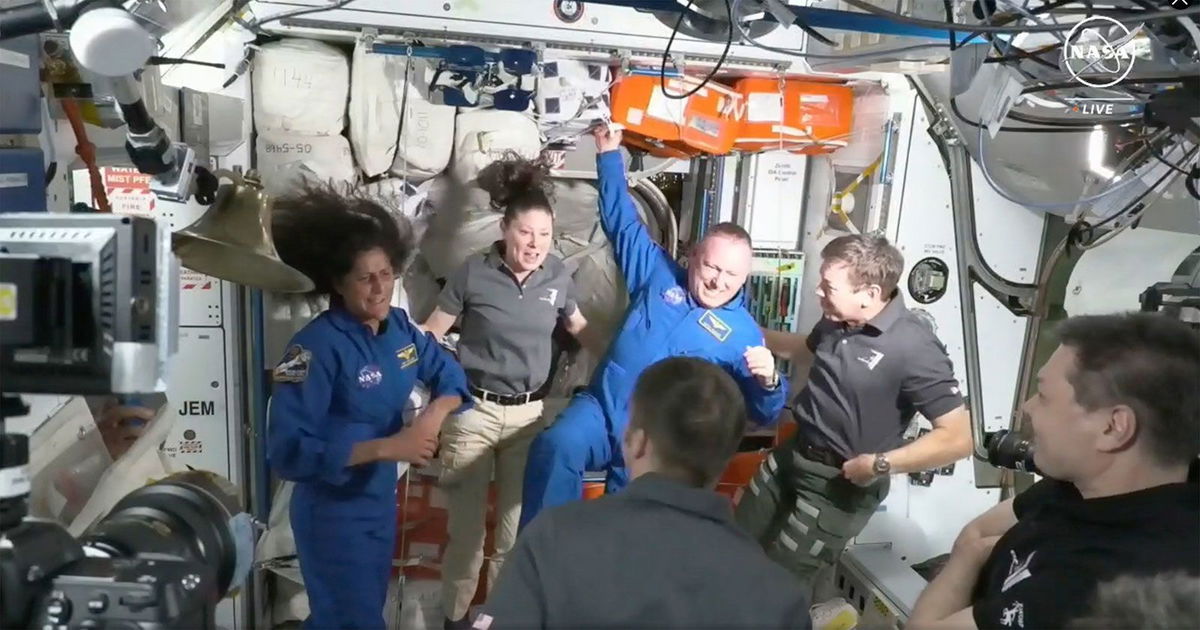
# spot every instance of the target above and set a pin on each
(803, 512)
(485, 440)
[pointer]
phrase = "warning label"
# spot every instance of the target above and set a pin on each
(128, 191)
(195, 281)
(116, 177)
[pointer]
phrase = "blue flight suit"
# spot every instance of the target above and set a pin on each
(663, 320)
(339, 384)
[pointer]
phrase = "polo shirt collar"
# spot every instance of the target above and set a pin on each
(890, 314)
(660, 488)
(343, 320)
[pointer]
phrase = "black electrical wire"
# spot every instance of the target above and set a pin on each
(662, 68)
(172, 61)
(256, 26)
(1125, 17)
(950, 20)
(1158, 156)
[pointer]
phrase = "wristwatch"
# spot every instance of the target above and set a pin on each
(881, 466)
(774, 384)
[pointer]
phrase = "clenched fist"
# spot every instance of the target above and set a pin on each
(761, 364)
(607, 138)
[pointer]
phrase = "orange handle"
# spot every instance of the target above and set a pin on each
(87, 152)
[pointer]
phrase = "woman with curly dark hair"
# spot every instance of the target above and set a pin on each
(335, 422)
(508, 301)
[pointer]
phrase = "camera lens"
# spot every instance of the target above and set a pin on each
(1008, 449)
(188, 515)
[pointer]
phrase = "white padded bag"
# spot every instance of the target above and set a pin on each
(374, 108)
(427, 130)
(484, 136)
(300, 86)
(571, 94)
(402, 197)
(283, 159)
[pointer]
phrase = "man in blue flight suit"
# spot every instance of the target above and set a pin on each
(336, 425)
(700, 312)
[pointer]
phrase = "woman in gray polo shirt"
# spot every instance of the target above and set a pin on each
(507, 301)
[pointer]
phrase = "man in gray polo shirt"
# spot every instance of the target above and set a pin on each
(508, 301)
(874, 366)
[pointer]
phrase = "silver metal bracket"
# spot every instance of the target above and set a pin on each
(1019, 298)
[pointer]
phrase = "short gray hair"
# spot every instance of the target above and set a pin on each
(1154, 602)
(872, 260)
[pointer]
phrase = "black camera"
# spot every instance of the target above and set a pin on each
(163, 558)
(1007, 449)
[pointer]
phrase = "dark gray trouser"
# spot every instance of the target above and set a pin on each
(803, 512)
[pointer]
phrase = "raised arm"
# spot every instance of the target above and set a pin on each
(637, 254)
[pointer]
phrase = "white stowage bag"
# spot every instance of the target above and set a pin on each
(427, 130)
(374, 110)
(571, 94)
(284, 159)
(300, 86)
(401, 197)
(484, 136)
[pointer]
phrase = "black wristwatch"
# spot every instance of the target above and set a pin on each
(881, 466)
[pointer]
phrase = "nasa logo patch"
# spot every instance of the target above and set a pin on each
(674, 296)
(369, 376)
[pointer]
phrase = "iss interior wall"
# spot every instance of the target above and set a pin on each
(922, 522)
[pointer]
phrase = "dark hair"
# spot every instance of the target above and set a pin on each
(1147, 361)
(694, 414)
(872, 260)
(517, 185)
(321, 230)
(731, 230)
(1152, 602)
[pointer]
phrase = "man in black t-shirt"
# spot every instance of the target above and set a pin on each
(1116, 423)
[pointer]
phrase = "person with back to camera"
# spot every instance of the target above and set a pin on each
(335, 425)
(508, 301)
(1116, 426)
(700, 312)
(665, 552)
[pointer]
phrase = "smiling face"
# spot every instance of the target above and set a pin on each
(367, 290)
(1073, 442)
(843, 300)
(718, 270)
(527, 239)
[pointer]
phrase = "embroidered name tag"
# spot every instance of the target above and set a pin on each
(369, 376)
(407, 355)
(294, 366)
(715, 326)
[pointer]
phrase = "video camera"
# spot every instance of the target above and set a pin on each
(87, 307)
(1008, 449)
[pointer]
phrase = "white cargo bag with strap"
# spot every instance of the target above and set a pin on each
(426, 130)
(300, 86)
(374, 108)
(284, 160)
(485, 136)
